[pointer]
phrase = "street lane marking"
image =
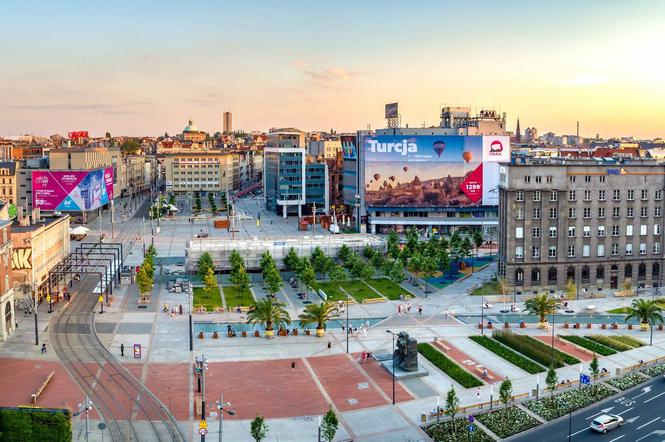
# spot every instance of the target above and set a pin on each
(650, 422)
(652, 398)
(617, 438)
(625, 411)
(578, 432)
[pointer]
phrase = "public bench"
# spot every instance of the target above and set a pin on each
(41, 388)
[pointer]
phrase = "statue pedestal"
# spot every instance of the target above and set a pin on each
(400, 374)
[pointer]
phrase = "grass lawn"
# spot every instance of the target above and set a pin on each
(330, 290)
(234, 297)
(208, 299)
(359, 290)
(623, 310)
(490, 288)
(388, 288)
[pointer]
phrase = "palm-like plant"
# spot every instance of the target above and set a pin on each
(269, 314)
(647, 311)
(541, 305)
(318, 314)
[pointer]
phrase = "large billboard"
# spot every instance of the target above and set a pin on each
(72, 190)
(433, 170)
(392, 110)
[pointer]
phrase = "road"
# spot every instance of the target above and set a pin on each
(640, 407)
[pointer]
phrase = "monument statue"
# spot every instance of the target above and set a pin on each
(406, 353)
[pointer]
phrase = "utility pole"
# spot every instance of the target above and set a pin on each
(313, 217)
(34, 295)
(99, 211)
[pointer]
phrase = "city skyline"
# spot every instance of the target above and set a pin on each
(143, 69)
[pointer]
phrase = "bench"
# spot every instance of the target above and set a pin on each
(480, 369)
(441, 345)
(41, 388)
(198, 404)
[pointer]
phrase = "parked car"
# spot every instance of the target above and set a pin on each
(606, 422)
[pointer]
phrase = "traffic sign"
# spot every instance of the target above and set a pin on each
(471, 418)
(471, 428)
(203, 431)
(100, 299)
(203, 425)
(585, 379)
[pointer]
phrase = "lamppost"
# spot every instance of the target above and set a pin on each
(357, 213)
(553, 311)
(191, 338)
(220, 406)
(393, 370)
(347, 321)
(88, 406)
(482, 315)
(34, 296)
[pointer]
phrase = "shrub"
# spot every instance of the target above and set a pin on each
(628, 380)
(453, 431)
(654, 370)
(610, 342)
(457, 373)
(629, 340)
(563, 403)
(505, 422)
(33, 424)
(590, 345)
(535, 349)
(509, 355)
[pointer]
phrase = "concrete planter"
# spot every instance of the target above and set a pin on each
(269, 334)
(644, 326)
(320, 332)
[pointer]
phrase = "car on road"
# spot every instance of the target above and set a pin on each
(606, 422)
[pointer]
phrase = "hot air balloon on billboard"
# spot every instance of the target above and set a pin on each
(377, 176)
(439, 147)
(406, 168)
(392, 178)
(468, 156)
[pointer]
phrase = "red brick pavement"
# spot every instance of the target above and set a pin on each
(170, 383)
(566, 347)
(466, 361)
(384, 380)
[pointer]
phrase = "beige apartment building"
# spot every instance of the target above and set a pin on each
(8, 190)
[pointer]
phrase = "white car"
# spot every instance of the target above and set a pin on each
(606, 422)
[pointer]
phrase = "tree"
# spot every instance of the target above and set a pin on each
(396, 273)
(465, 248)
(415, 263)
(505, 392)
(268, 314)
(411, 240)
(427, 267)
(571, 289)
(627, 287)
(329, 425)
(258, 428)
(236, 261)
(306, 274)
(130, 147)
(595, 369)
(366, 271)
(541, 305)
(143, 281)
(147, 266)
(344, 253)
(328, 264)
(337, 276)
(393, 245)
(204, 262)
(152, 251)
(368, 252)
(451, 406)
(318, 260)
(377, 261)
(647, 311)
(477, 240)
(210, 280)
(266, 261)
(291, 260)
(107, 135)
(241, 279)
(318, 314)
(551, 380)
(272, 280)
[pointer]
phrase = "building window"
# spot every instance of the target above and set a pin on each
(601, 179)
(643, 248)
(658, 195)
(535, 252)
(631, 195)
(552, 213)
(629, 212)
(629, 230)
(644, 194)
(519, 252)
(629, 249)
(551, 252)
(554, 195)
(643, 229)
(552, 232)
(536, 195)
(571, 179)
(616, 195)
(527, 179)
(549, 179)
(656, 248)
(601, 195)
(519, 195)
(535, 277)
(539, 179)
(586, 231)
(536, 213)
(615, 249)
(571, 232)
(644, 212)
(656, 211)
(572, 213)
(615, 230)
(586, 212)
(587, 195)
(519, 276)
(601, 231)
(615, 212)
(519, 232)
(601, 250)
(656, 229)
(571, 251)
(571, 195)
(519, 213)
(536, 232)
(587, 178)
(586, 250)
(628, 271)
(601, 212)
(551, 276)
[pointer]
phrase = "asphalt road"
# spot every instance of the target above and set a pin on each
(641, 408)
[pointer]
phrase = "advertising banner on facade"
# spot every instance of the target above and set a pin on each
(433, 170)
(72, 190)
(349, 147)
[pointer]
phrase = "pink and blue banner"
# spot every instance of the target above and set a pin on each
(71, 190)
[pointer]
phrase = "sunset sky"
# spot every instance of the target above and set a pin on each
(142, 67)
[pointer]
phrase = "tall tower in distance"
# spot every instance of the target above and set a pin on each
(518, 132)
(227, 122)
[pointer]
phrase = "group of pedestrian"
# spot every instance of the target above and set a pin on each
(365, 356)
(450, 313)
(406, 308)
(175, 310)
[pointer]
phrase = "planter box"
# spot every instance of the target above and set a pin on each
(522, 324)
(244, 334)
(489, 325)
(660, 327)
(257, 334)
(200, 335)
(577, 325)
(614, 326)
(506, 325)
(630, 326)
(565, 325)
(588, 326)
(603, 326)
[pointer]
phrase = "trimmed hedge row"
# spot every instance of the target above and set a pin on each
(590, 345)
(507, 421)
(562, 403)
(35, 424)
(633, 342)
(454, 431)
(534, 349)
(448, 366)
(610, 342)
(509, 355)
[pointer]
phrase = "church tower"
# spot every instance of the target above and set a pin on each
(518, 133)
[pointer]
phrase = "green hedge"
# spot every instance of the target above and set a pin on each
(534, 349)
(455, 431)
(633, 342)
(509, 355)
(35, 424)
(507, 421)
(590, 345)
(610, 342)
(448, 366)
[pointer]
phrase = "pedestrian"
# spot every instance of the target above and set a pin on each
(363, 355)
(180, 308)
(329, 345)
(446, 313)
(367, 324)
(122, 350)
(293, 365)
(452, 312)
(478, 397)
(43, 348)
(408, 307)
(364, 331)
(399, 309)
(420, 309)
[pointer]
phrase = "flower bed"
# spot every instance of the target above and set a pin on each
(610, 342)
(627, 380)
(505, 422)
(534, 349)
(448, 366)
(590, 345)
(629, 340)
(509, 355)
(654, 370)
(569, 401)
(454, 432)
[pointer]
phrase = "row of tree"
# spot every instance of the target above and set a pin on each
(145, 278)
(258, 428)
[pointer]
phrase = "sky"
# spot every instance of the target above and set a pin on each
(143, 67)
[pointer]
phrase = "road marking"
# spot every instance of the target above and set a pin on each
(650, 422)
(617, 438)
(652, 398)
(578, 432)
(645, 390)
(625, 411)
(603, 411)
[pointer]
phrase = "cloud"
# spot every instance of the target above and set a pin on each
(586, 80)
(327, 77)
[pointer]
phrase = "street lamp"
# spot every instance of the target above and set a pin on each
(220, 406)
(191, 339)
(482, 315)
(393, 370)
(34, 295)
(358, 213)
(88, 406)
(347, 321)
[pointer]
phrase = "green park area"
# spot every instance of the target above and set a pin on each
(388, 288)
(234, 296)
(356, 288)
(490, 288)
(35, 424)
(208, 298)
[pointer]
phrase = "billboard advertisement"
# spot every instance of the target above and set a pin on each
(72, 190)
(392, 110)
(349, 147)
(433, 170)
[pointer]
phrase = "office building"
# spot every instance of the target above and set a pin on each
(227, 123)
(8, 189)
(8, 321)
(326, 149)
(596, 222)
